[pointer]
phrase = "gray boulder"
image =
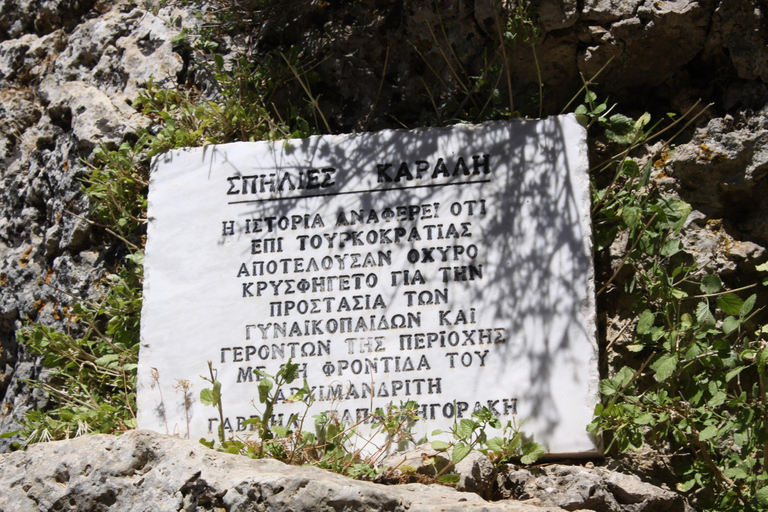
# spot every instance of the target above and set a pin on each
(590, 488)
(144, 471)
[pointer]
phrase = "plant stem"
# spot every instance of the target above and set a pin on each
(218, 403)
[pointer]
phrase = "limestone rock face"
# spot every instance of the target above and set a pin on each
(142, 471)
(61, 95)
(574, 487)
(722, 172)
(18, 17)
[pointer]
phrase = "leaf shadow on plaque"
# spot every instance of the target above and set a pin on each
(547, 258)
(534, 274)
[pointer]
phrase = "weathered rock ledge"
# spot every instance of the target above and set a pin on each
(145, 471)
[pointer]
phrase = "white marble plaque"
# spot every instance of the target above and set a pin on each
(448, 266)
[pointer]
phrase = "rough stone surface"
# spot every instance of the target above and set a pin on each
(723, 173)
(724, 50)
(142, 470)
(61, 94)
(476, 472)
(19, 17)
(575, 488)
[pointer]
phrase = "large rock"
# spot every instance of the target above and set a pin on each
(18, 17)
(575, 488)
(722, 172)
(144, 471)
(61, 95)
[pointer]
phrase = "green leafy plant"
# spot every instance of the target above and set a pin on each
(469, 434)
(212, 396)
(698, 393)
(328, 447)
(269, 391)
(93, 375)
(512, 445)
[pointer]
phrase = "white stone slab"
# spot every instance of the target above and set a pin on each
(397, 265)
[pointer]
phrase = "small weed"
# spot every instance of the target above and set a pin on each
(328, 447)
(470, 434)
(331, 446)
(93, 375)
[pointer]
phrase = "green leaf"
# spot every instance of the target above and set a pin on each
(532, 451)
(449, 479)
(608, 387)
(733, 373)
(632, 216)
(600, 109)
(495, 444)
(644, 419)
(621, 129)
(664, 366)
(262, 374)
(647, 168)
(762, 358)
(718, 399)
(762, 496)
(465, 428)
(440, 445)
(730, 324)
(621, 123)
(643, 120)
(711, 284)
(137, 258)
(646, 321)
(703, 315)
(289, 372)
(219, 60)
(206, 397)
(730, 304)
(748, 305)
(265, 386)
(671, 247)
(708, 433)
(605, 237)
(630, 168)
(179, 39)
(105, 360)
(686, 486)
(460, 451)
